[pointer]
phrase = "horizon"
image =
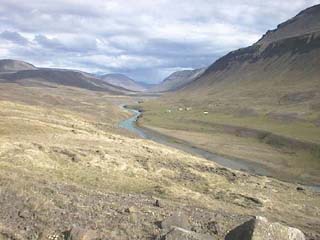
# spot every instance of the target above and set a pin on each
(144, 41)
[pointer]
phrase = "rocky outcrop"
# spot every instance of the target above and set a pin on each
(177, 233)
(77, 233)
(74, 233)
(177, 219)
(259, 228)
(177, 227)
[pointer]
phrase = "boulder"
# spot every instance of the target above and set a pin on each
(50, 234)
(300, 188)
(131, 210)
(77, 233)
(25, 213)
(177, 233)
(259, 228)
(158, 203)
(177, 219)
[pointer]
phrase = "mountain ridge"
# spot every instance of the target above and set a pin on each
(10, 65)
(16, 71)
(177, 80)
(305, 22)
(123, 81)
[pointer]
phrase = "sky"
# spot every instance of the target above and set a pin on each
(144, 39)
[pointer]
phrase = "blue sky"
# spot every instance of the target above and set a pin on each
(145, 39)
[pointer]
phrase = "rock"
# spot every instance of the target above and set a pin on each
(54, 237)
(50, 234)
(177, 233)
(300, 188)
(212, 227)
(259, 228)
(158, 203)
(24, 213)
(75, 158)
(130, 210)
(77, 233)
(177, 219)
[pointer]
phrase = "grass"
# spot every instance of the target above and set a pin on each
(208, 132)
(57, 159)
(157, 116)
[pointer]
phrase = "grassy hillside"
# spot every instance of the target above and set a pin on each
(64, 163)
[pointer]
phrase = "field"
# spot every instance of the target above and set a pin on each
(284, 137)
(64, 162)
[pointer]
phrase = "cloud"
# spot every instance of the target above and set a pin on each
(145, 39)
(13, 37)
(74, 44)
(48, 43)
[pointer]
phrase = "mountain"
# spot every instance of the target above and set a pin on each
(123, 81)
(28, 75)
(306, 22)
(177, 80)
(9, 65)
(283, 64)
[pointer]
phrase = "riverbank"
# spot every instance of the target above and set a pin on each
(180, 140)
(240, 137)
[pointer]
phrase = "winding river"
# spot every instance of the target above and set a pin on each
(131, 125)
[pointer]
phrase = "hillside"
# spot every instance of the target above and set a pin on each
(9, 65)
(305, 22)
(28, 75)
(123, 81)
(64, 164)
(286, 55)
(262, 101)
(177, 80)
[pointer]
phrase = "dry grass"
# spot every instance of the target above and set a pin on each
(46, 151)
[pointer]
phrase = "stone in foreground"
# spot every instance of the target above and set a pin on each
(259, 228)
(77, 233)
(177, 219)
(177, 233)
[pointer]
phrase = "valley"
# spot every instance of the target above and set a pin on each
(163, 137)
(57, 160)
(227, 151)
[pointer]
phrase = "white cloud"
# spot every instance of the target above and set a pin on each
(141, 37)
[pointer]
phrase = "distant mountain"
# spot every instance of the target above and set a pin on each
(9, 65)
(123, 81)
(146, 85)
(26, 74)
(177, 80)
